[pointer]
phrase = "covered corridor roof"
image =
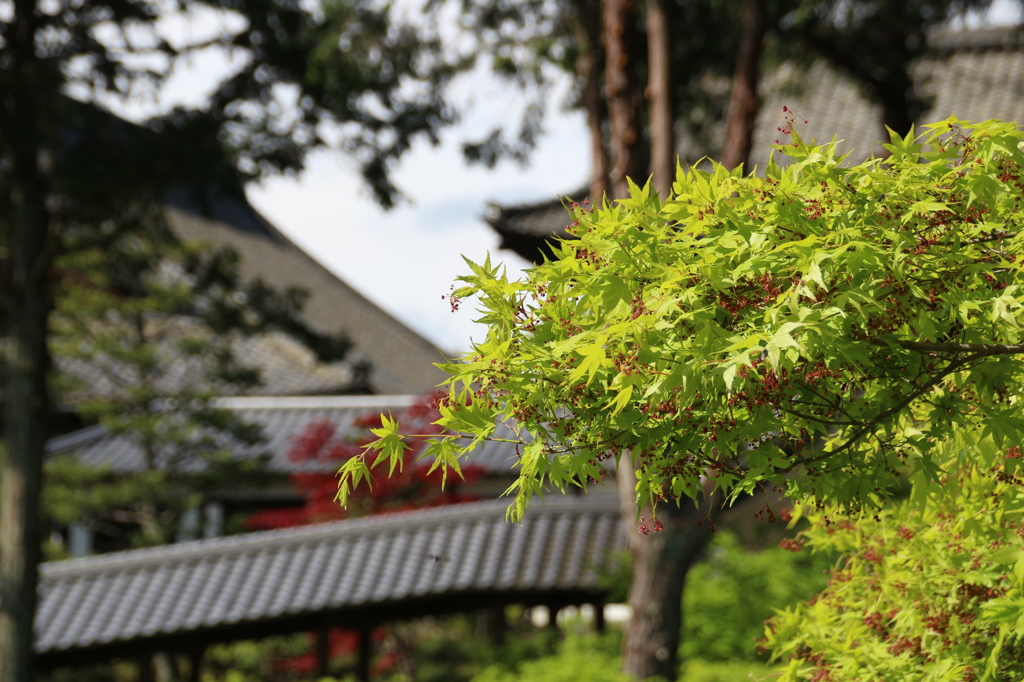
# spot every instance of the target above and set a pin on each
(348, 573)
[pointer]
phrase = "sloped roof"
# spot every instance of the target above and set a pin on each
(282, 419)
(401, 361)
(208, 205)
(286, 366)
(975, 75)
(352, 572)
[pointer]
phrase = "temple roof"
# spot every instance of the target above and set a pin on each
(209, 206)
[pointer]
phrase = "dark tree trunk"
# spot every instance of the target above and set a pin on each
(898, 107)
(621, 46)
(589, 67)
(661, 560)
(743, 103)
(26, 295)
(659, 98)
(893, 91)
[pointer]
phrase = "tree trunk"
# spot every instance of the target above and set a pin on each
(898, 107)
(659, 98)
(661, 560)
(895, 92)
(589, 69)
(25, 279)
(621, 39)
(743, 102)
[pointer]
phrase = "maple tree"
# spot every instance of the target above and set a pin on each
(822, 330)
(817, 329)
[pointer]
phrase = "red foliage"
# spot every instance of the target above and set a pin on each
(322, 449)
(412, 487)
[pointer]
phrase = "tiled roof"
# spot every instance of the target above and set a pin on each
(286, 368)
(401, 361)
(282, 419)
(211, 208)
(976, 75)
(346, 570)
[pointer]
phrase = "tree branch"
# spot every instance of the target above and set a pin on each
(979, 350)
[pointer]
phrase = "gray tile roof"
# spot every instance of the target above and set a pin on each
(282, 419)
(210, 207)
(355, 569)
(976, 75)
(401, 360)
(286, 368)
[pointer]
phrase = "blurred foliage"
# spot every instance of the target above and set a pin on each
(145, 333)
(347, 74)
(698, 670)
(730, 595)
(414, 485)
(579, 657)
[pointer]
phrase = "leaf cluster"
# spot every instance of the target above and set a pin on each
(928, 589)
(816, 330)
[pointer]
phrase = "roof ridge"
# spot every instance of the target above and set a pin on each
(76, 439)
(962, 40)
(237, 544)
(317, 401)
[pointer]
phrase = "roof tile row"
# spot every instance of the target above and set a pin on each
(210, 584)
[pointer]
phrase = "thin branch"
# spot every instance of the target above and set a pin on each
(898, 407)
(978, 350)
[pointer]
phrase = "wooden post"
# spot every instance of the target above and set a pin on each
(496, 625)
(195, 664)
(146, 668)
(553, 610)
(599, 625)
(365, 654)
(323, 640)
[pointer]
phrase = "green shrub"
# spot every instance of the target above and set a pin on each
(718, 671)
(594, 658)
(729, 596)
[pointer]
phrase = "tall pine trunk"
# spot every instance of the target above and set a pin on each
(621, 47)
(26, 296)
(743, 102)
(589, 69)
(659, 98)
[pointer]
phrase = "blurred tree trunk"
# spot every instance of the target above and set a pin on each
(659, 98)
(743, 102)
(589, 67)
(621, 48)
(26, 296)
(661, 560)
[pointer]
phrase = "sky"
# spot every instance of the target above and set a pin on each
(406, 259)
